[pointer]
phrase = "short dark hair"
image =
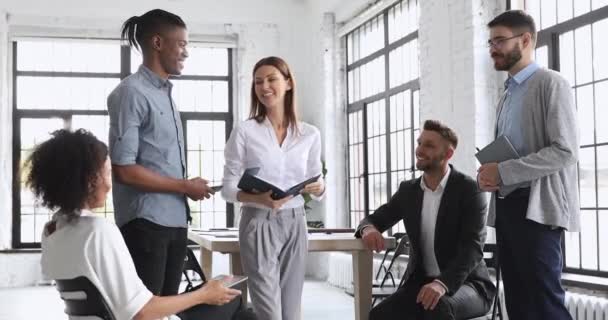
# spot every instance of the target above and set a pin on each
(137, 29)
(64, 169)
(444, 131)
(515, 19)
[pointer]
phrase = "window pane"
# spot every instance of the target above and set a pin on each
(601, 109)
(581, 7)
(205, 143)
(589, 239)
(33, 216)
(200, 61)
(584, 104)
(596, 4)
(600, 50)
(97, 125)
(587, 177)
(533, 8)
(603, 221)
(69, 56)
(201, 95)
(564, 10)
(572, 249)
(602, 177)
(61, 93)
(403, 20)
(206, 61)
(549, 13)
(542, 56)
(582, 40)
(566, 56)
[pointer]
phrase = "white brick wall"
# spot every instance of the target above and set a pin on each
(458, 85)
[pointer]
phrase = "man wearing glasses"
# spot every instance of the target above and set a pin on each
(535, 197)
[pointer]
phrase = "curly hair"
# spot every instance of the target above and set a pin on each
(64, 169)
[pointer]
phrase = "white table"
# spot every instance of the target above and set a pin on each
(227, 242)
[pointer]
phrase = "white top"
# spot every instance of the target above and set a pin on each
(252, 144)
(428, 219)
(93, 247)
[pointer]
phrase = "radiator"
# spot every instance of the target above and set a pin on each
(581, 306)
(586, 307)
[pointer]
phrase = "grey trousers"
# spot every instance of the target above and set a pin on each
(273, 248)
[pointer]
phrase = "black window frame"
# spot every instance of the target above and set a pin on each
(550, 37)
(385, 95)
(125, 71)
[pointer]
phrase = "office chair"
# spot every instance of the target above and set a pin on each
(491, 259)
(82, 298)
(191, 264)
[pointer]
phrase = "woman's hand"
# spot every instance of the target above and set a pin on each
(265, 199)
(214, 293)
(316, 188)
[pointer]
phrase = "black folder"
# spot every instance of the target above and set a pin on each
(498, 151)
(250, 183)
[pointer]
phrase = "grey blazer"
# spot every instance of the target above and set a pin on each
(550, 128)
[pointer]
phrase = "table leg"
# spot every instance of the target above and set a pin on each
(207, 262)
(362, 274)
(236, 268)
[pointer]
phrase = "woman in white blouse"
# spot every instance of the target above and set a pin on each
(272, 232)
(71, 172)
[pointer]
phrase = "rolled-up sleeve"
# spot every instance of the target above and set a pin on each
(234, 157)
(127, 109)
(314, 165)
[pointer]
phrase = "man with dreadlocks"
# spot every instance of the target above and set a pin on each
(147, 152)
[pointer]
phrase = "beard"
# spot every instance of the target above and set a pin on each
(429, 165)
(509, 59)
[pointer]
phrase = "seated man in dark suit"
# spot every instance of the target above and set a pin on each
(444, 215)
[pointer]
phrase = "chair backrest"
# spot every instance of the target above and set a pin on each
(490, 255)
(191, 264)
(82, 298)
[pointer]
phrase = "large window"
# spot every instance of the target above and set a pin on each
(64, 83)
(572, 40)
(383, 117)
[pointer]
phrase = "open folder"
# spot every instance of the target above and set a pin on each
(498, 151)
(250, 183)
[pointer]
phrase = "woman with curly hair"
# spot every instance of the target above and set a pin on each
(71, 173)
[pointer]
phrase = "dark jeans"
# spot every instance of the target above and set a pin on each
(158, 253)
(229, 311)
(464, 304)
(531, 262)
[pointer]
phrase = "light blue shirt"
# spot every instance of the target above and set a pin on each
(146, 129)
(509, 120)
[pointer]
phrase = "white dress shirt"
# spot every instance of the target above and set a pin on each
(428, 219)
(252, 144)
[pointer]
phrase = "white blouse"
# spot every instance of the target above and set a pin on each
(252, 144)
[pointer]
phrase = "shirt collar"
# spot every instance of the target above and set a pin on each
(154, 78)
(523, 74)
(441, 185)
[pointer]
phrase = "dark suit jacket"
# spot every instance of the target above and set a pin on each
(459, 231)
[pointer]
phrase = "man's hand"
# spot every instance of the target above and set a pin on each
(430, 294)
(488, 177)
(198, 189)
(316, 188)
(372, 238)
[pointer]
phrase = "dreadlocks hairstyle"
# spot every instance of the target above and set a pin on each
(138, 29)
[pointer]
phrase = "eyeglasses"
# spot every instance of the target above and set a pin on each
(498, 43)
